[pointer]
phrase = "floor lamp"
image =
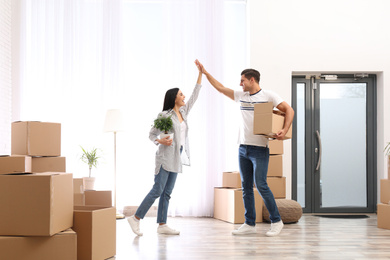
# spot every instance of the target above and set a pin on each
(113, 123)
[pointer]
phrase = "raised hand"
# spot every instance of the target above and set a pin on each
(200, 67)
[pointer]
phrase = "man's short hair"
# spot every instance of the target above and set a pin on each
(249, 73)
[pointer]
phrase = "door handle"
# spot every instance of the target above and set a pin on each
(320, 150)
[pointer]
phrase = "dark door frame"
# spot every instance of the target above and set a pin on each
(311, 124)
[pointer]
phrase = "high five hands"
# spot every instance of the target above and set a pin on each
(200, 66)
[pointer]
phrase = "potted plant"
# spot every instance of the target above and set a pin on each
(164, 124)
(387, 153)
(90, 158)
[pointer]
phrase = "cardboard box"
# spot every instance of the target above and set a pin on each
(15, 164)
(229, 205)
(383, 212)
(275, 146)
(35, 204)
(267, 121)
(61, 246)
(96, 232)
(78, 186)
(385, 191)
(36, 138)
(98, 198)
(48, 164)
(275, 166)
(231, 180)
(78, 199)
(277, 186)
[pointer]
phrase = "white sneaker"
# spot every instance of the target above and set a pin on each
(275, 229)
(134, 224)
(165, 229)
(245, 229)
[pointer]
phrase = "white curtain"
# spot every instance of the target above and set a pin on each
(82, 57)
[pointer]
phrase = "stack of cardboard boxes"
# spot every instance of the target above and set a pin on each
(228, 202)
(37, 218)
(36, 208)
(383, 209)
(94, 222)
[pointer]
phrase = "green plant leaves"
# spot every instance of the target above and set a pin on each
(163, 123)
(387, 149)
(90, 157)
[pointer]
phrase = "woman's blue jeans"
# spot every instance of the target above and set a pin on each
(253, 169)
(164, 182)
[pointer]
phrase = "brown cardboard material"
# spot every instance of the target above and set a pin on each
(275, 147)
(268, 121)
(385, 191)
(78, 199)
(48, 164)
(231, 180)
(61, 246)
(275, 166)
(96, 232)
(229, 205)
(15, 164)
(98, 198)
(38, 204)
(277, 186)
(36, 138)
(383, 216)
(78, 185)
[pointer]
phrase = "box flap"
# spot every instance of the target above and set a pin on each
(263, 108)
(89, 208)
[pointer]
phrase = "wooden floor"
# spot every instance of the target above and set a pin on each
(207, 238)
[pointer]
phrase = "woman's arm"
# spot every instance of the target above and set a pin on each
(195, 92)
(199, 81)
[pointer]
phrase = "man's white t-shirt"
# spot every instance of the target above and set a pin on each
(247, 102)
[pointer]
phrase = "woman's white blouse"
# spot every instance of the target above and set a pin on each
(183, 130)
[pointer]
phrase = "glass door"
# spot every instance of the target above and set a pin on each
(334, 168)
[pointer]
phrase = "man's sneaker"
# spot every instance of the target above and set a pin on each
(165, 229)
(134, 224)
(275, 229)
(245, 229)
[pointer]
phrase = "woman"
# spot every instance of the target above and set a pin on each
(171, 154)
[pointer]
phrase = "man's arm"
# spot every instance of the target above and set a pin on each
(288, 119)
(215, 83)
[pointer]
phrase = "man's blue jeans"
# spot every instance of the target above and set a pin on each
(253, 169)
(164, 182)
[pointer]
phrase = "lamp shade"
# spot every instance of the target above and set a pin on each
(114, 121)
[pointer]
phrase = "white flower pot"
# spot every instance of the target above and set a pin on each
(89, 183)
(162, 136)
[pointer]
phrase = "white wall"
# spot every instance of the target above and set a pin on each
(5, 76)
(339, 36)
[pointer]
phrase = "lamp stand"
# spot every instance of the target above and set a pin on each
(118, 215)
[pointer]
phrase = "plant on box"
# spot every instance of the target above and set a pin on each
(91, 158)
(164, 124)
(387, 149)
(387, 153)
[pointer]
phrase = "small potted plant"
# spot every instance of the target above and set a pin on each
(387, 153)
(90, 158)
(164, 124)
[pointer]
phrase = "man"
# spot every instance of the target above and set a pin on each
(253, 151)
